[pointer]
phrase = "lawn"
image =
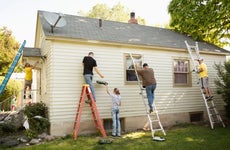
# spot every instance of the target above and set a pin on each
(183, 137)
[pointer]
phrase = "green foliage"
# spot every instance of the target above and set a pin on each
(36, 109)
(223, 83)
(31, 133)
(13, 87)
(37, 114)
(202, 19)
(7, 128)
(116, 13)
(8, 50)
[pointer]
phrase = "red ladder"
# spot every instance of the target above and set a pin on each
(97, 120)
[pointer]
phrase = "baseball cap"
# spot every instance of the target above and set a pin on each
(145, 64)
(200, 59)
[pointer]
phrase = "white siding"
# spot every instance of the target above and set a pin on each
(45, 71)
(64, 81)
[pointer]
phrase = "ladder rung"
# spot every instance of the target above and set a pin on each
(192, 46)
(155, 121)
(216, 121)
(212, 107)
(214, 114)
(157, 129)
(209, 100)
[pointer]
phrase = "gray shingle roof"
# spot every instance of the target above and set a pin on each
(88, 28)
(31, 52)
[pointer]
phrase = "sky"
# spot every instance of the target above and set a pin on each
(20, 16)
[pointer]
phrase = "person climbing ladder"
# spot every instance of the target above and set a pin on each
(29, 77)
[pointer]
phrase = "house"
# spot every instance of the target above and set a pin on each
(62, 48)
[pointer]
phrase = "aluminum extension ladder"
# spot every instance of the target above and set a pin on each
(213, 114)
(11, 69)
(86, 92)
(153, 117)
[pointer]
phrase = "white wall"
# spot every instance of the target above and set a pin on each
(64, 81)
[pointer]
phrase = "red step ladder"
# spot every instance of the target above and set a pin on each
(96, 117)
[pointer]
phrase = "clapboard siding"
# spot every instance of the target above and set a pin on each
(64, 81)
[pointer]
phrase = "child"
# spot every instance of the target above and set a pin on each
(13, 103)
(116, 102)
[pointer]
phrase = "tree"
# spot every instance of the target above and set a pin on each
(206, 20)
(13, 88)
(8, 50)
(223, 83)
(116, 13)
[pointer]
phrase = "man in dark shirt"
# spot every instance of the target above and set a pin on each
(148, 82)
(89, 63)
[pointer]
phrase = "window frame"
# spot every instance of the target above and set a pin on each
(126, 66)
(188, 72)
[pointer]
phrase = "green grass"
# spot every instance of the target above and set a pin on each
(186, 137)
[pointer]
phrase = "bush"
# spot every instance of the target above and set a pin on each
(7, 128)
(37, 114)
(31, 133)
(223, 83)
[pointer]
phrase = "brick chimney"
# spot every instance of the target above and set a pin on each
(100, 23)
(132, 18)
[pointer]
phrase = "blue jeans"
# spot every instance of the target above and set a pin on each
(88, 80)
(150, 94)
(116, 122)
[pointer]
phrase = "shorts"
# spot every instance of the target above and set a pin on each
(12, 107)
(204, 82)
(28, 83)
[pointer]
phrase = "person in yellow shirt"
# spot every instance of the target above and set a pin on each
(28, 77)
(203, 73)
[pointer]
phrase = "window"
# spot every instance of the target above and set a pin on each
(196, 116)
(181, 72)
(130, 74)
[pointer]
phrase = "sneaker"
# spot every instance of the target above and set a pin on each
(146, 129)
(88, 101)
(207, 98)
(151, 110)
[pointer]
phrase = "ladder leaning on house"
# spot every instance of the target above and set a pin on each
(96, 117)
(11, 69)
(213, 114)
(153, 117)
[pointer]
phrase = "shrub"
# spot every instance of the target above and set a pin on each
(31, 133)
(8, 128)
(37, 114)
(223, 83)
